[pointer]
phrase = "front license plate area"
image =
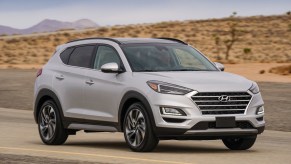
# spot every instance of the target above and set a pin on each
(225, 122)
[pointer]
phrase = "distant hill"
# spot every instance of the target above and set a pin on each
(49, 25)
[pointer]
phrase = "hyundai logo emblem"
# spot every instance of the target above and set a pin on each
(223, 98)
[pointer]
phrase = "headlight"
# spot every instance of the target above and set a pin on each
(254, 88)
(167, 88)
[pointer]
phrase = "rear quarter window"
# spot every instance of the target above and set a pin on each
(65, 55)
(81, 56)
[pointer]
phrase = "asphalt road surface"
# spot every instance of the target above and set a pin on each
(20, 143)
(16, 91)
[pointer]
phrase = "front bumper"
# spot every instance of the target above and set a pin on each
(186, 127)
(169, 133)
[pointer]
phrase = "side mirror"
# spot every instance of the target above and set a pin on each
(110, 68)
(219, 66)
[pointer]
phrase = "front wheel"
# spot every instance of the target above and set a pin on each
(138, 132)
(240, 143)
(50, 126)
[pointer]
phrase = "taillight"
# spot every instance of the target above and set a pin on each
(39, 72)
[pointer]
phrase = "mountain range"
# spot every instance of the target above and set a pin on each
(49, 25)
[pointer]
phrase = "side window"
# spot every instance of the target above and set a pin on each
(65, 55)
(81, 56)
(188, 60)
(105, 55)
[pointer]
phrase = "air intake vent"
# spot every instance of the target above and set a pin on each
(219, 103)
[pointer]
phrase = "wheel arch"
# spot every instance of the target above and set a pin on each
(42, 96)
(129, 98)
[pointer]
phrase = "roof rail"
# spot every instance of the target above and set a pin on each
(175, 40)
(110, 39)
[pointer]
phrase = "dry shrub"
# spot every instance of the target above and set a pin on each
(229, 61)
(262, 71)
(281, 70)
(12, 41)
(259, 43)
(9, 54)
(154, 35)
(102, 29)
(66, 34)
(66, 29)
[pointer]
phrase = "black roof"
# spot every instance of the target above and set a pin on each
(136, 40)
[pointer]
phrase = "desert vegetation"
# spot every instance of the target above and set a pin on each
(281, 70)
(260, 39)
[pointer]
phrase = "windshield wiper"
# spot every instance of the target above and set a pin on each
(146, 70)
(183, 70)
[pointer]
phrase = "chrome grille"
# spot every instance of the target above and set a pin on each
(217, 103)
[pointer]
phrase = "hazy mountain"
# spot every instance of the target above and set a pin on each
(49, 25)
(8, 30)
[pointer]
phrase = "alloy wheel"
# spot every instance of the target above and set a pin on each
(47, 123)
(135, 127)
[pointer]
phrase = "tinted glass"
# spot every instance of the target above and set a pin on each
(81, 56)
(165, 57)
(105, 55)
(65, 55)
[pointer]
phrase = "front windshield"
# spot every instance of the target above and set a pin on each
(165, 57)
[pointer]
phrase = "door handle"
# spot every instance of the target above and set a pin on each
(90, 82)
(60, 77)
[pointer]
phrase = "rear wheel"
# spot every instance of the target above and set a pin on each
(240, 143)
(138, 132)
(50, 126)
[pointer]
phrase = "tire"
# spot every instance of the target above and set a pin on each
(240, 143)
(138, 131)
(50, 125)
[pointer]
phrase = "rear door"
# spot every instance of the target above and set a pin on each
(103, 90)
(69, 80)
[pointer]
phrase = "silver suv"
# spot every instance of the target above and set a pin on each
(149, 89)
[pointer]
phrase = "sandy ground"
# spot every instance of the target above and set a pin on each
(252, 72)
(19, 136)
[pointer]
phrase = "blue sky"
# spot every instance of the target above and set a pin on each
(25, 13)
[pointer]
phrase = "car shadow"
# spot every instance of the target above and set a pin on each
(102, 144)
(161, 148)
(164, 148)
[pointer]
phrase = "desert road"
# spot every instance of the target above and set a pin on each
(20, 143)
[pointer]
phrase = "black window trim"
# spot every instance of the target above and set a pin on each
(82, 45)
(93, 57)
(68, 56)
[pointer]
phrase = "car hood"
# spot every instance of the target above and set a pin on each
(201, 81)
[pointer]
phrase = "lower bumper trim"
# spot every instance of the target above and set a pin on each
(222, 132)
(208, 134)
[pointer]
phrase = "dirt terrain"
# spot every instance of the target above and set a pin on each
(259, 72)
(16, 91)
(260, 39)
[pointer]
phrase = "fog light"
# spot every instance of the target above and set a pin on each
(172, 111)
(260, 110)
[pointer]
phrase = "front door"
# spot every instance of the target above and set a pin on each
(103, 91)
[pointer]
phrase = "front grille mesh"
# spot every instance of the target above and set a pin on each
(233, 103)
(203, 125)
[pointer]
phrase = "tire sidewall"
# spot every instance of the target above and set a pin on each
(59, 126)
(148, 125)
